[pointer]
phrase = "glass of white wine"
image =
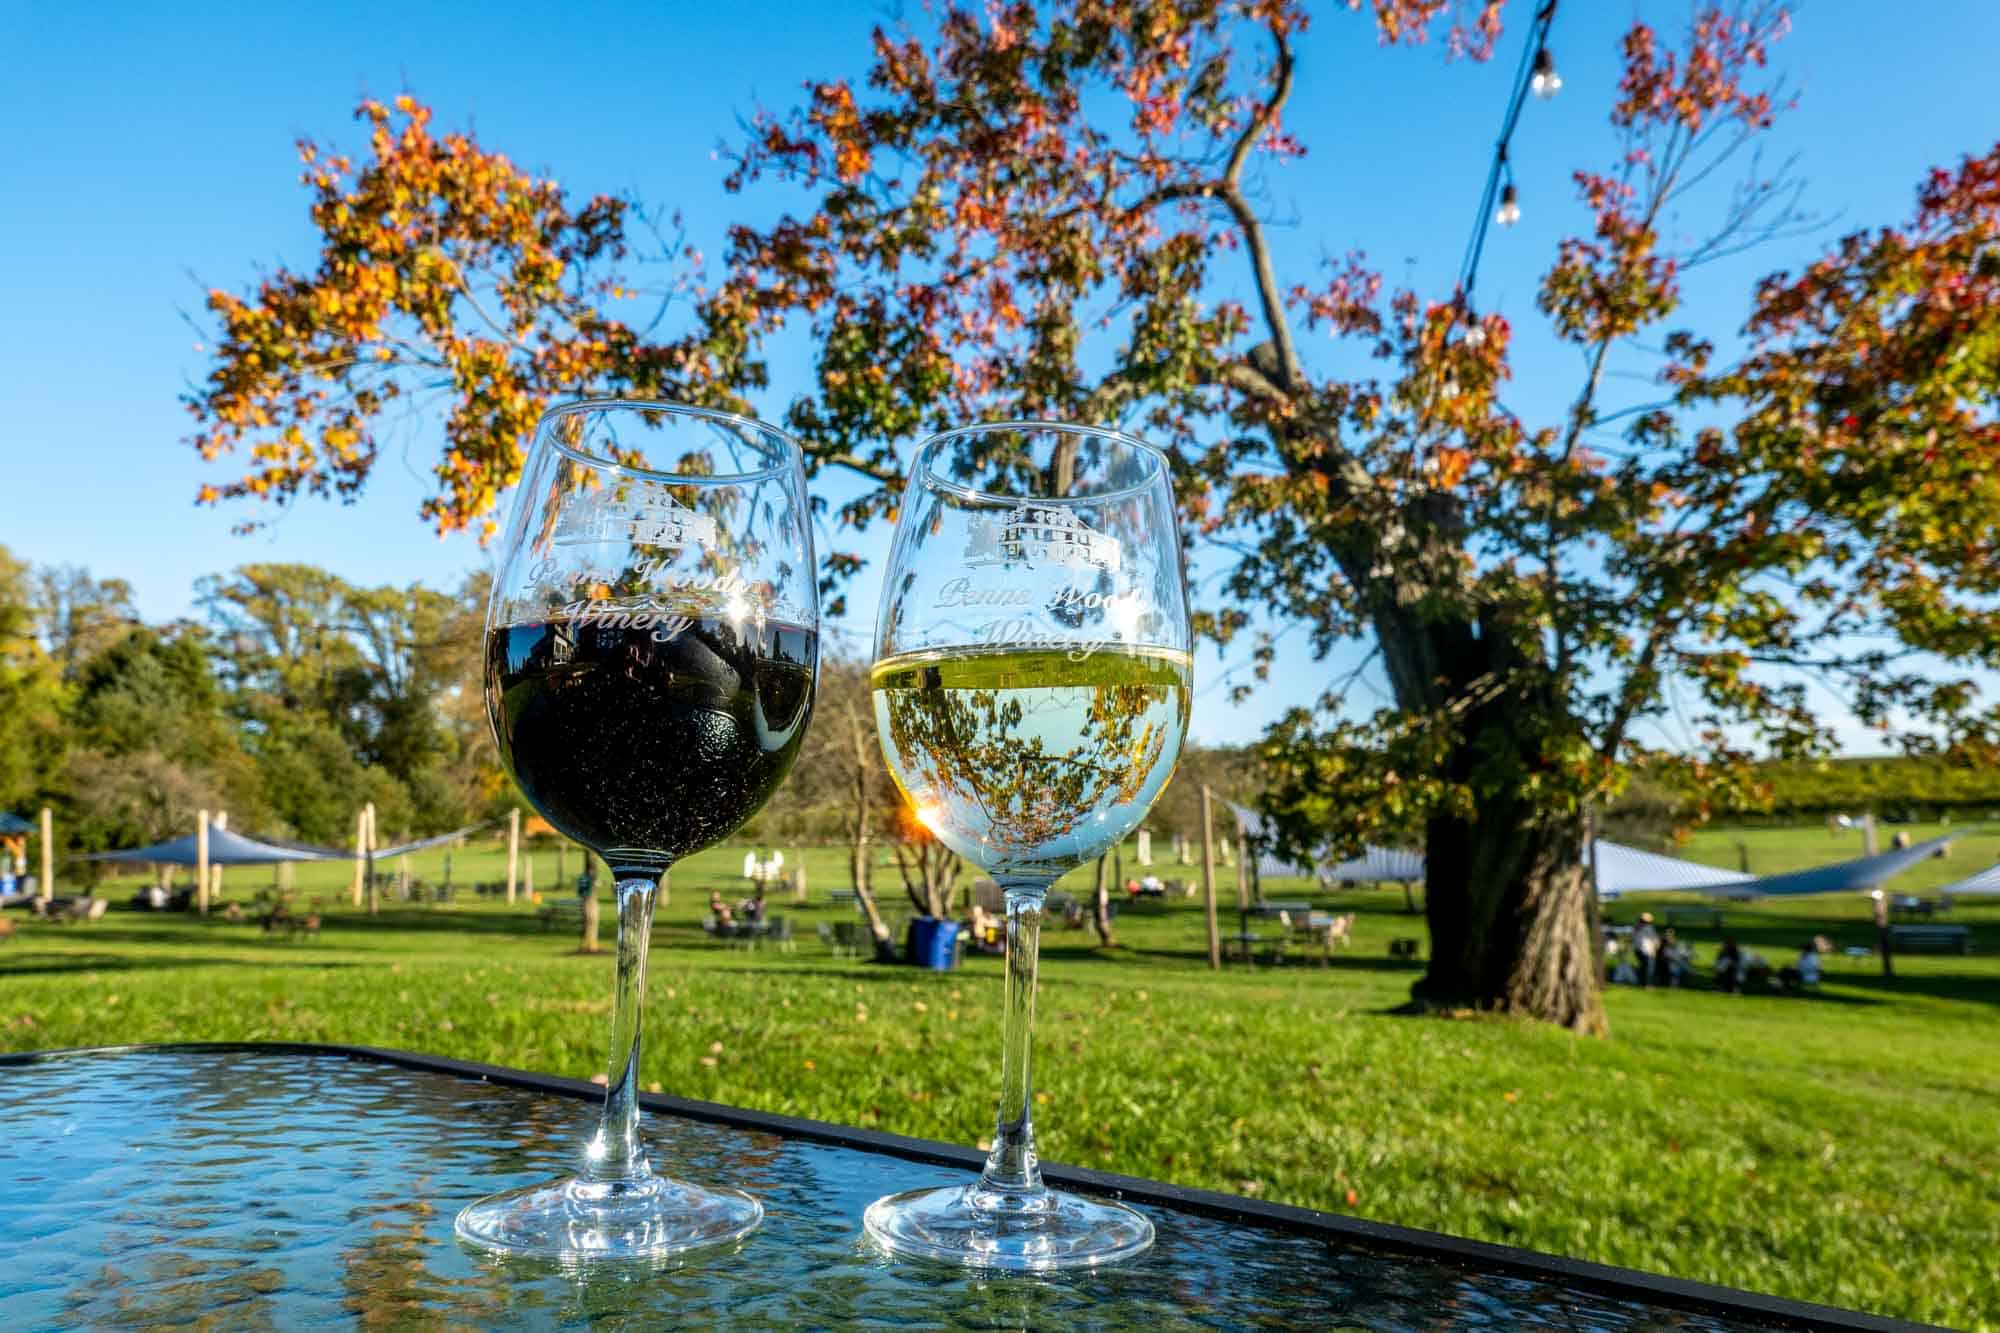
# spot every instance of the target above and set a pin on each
(1031, 690)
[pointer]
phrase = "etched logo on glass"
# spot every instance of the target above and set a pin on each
(1037, 535)
(648, 520)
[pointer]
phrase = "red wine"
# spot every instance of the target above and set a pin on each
(647, 750)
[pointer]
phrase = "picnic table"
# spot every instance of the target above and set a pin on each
(124, 1163)
(1930, 939)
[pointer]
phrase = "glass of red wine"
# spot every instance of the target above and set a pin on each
(652, 645)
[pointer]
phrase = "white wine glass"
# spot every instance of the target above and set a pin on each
(1031, 686)
(652, 647)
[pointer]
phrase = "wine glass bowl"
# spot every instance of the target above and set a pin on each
(651, 655)
(1032, 687)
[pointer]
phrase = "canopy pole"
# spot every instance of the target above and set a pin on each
(1208, 876)
(360, 850)
(215, 871)
(48, 885)
(374, 903)
(201, 862)
(513, 849)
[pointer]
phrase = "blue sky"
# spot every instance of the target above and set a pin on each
(150, 157)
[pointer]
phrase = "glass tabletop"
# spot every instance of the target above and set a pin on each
(280, 1189)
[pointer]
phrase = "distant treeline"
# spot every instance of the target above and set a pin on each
(1890, 787)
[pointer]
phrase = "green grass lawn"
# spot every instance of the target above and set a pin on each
(1841, 1148)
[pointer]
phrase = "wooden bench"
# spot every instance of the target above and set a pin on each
(1708, 916)
(844, 898)
(1405, 948)
(1930, 939)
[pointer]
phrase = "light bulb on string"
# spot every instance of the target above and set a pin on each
(1545, 83)
(1509, 211)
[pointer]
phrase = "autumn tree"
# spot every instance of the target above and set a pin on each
(1054, 211)
(985, 241)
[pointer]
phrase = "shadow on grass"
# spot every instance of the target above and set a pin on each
(58, 963)
(1938, 986)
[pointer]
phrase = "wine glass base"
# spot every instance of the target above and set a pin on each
(578, 1220)
(970, 1226)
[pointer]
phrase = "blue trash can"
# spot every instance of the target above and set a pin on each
(944, 946)
(932, 943)
(921, 940)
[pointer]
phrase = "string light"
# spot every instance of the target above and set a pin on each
(1500, 202)
(1546, 83)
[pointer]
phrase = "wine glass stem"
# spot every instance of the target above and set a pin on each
(615, 1154)
(1012, 1167)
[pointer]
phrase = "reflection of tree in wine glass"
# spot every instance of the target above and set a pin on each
(1040, 762)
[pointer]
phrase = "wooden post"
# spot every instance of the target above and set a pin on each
(48, 884)
(368, 844)
(1242, 883)
(1868, 844)
(1208, 876)
(360, 850)
(528, 878)
(799, 882)
(513, 849)
(590, 923)
(221, 821)
(201, 862)
(1882, 932)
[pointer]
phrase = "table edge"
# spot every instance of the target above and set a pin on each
(1600, 1279)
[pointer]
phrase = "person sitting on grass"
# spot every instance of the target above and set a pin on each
(1805, 972)
(1674, 960)
(1729, 966)
(752, 907)
(718, 908)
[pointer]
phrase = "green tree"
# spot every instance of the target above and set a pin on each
(32, 698)
(78, 616)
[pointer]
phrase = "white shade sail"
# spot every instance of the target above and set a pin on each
(1856, 876)
(1621, 869)
(1986, 881)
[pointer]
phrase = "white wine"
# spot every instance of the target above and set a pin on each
(1029, 761)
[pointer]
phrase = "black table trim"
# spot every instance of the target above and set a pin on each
(1627, 1284)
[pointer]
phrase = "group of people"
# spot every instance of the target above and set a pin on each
(1737, 970)
(1656, 957)
(750, 910)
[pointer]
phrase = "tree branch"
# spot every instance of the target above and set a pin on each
(1290, 373)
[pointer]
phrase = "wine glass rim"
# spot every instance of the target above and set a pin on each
(779, 465)
(924, 455)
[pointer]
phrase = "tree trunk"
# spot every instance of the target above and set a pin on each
(1506, 896)
(1101, 909)
(1509, 910)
